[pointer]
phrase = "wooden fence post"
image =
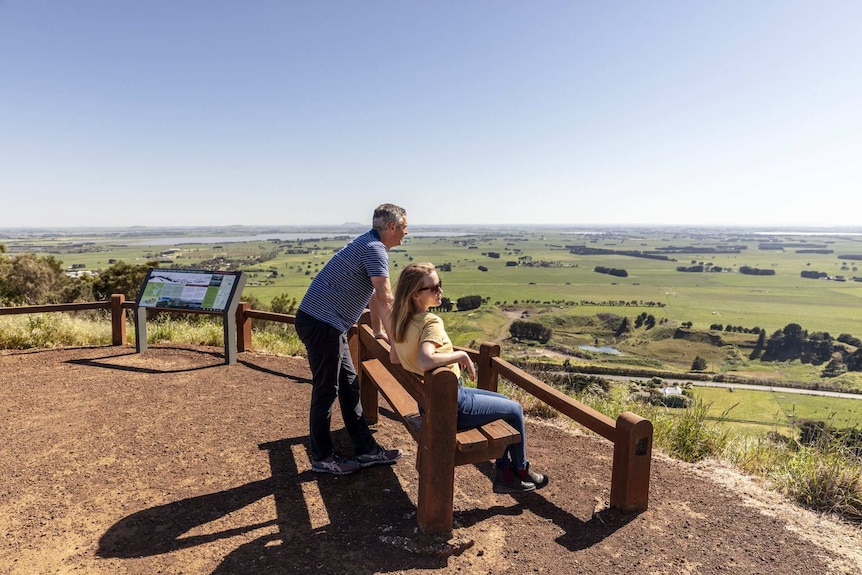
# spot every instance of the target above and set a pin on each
(631, 467)
(118, 320)
(487, 377)
(243, 327)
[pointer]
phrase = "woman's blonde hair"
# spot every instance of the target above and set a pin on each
(411, 279)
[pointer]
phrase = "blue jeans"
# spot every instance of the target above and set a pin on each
(332, 375)
(477, 407)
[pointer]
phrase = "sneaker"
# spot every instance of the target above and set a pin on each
(379, 456)
(335, 465)
(506, 481)
(536, 479)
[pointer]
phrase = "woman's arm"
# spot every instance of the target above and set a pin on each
(429, 358)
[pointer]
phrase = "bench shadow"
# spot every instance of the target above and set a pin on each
(320, 523)
(577, 533)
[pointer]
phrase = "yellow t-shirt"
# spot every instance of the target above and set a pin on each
(421, 328)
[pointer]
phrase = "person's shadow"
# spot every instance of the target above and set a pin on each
(330, 533)
(323, 523)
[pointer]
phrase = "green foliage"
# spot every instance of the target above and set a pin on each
(699, 364)
(121, 278)
(89, 329)
(531, 330)
(469, 302)
(625, 328)
(283, 303)
(692, 438)
(53, 330)
(28, 279)
(826, 476)
(254, 302)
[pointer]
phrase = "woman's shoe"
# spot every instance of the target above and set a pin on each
(506, 481)
(530, 476)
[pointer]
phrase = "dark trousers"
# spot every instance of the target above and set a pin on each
(332, 375)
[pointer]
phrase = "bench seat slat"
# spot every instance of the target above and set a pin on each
(473, 445)
(471, 440)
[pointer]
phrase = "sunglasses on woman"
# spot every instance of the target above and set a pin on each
(438, 287)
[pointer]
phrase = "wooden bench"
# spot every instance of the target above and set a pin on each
(441, 447)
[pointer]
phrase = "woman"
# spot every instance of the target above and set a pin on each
(421, 344)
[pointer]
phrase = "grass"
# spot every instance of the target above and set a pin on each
(826, 477)
(77, 330)
(773, 410)
(52, 330)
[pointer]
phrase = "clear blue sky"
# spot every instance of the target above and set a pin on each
(172, 112)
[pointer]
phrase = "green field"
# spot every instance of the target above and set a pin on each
(778, 410)
(548, 272)
(536, 272)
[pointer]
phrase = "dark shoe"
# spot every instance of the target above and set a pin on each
(379, 457)
(507, 482)
(536, 479)
(335, 465)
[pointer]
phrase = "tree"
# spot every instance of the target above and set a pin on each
(834, 368)
(699, 364)
(624, 328)
(534, 330)
(817, 348)
(283, 303)
(469, 302)
(785, 344)
(121, 278)
(254, 302)
(28, 279)
(759, 346)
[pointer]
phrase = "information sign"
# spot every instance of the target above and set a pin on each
(189, 289)
(192, 291)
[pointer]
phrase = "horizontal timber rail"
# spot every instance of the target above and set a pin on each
(630, 433)
(117, 304)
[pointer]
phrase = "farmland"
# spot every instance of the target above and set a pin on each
(546, 272)
(549, 274)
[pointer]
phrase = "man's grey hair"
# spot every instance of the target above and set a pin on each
(387, 213)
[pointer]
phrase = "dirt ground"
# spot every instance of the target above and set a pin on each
(172, 462)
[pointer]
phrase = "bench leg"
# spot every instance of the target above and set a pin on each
(436, 488)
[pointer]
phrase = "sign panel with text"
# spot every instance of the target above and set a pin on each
(189, 289)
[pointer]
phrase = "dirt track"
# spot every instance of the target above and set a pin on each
(172, 462)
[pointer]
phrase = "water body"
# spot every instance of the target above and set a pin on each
(603, 349)
(179, 240)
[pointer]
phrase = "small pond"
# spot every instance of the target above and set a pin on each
(603, 349)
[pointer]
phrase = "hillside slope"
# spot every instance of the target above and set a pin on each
(172, 462)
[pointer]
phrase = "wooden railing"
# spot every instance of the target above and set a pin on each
(117, 304)
(631, 434)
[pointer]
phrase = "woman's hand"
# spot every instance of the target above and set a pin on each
(467, 363)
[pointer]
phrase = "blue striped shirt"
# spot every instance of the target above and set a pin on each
(341, 291)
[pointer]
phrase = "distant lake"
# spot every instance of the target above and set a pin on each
(603, 349)
(178, 240)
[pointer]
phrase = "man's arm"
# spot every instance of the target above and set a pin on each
(381, 307)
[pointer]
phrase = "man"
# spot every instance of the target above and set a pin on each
(355, 278)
